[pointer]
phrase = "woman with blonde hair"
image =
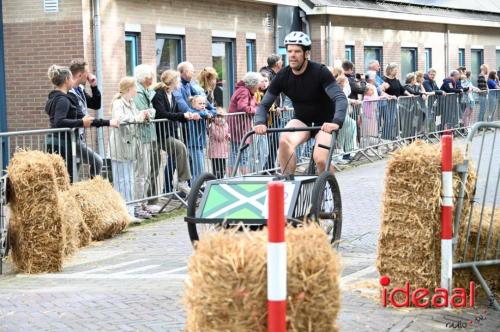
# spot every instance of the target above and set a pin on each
(124, 142)
(168, 140)
(389, 115)
(207, 78)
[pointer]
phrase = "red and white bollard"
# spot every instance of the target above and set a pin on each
(446, 212)
(276, 258)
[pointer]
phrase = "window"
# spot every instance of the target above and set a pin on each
(408, 61)
(461, 57)
(498, 60)
(373, 53)
(223, 61)
(169, 53)
(428, 59)
(251, 57)
(284, 57)
(477, 59)
(131, 52)
(349, 53)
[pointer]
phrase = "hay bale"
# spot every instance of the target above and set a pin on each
(104, 210)
(77, 233)
(38, 236)
(491, 274)
(409, 247)
(60, 171)
(227, 288)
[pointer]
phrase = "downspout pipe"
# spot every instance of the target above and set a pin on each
(329, 42)
(304, 20)
(276, 31)
(4, 149)
(447, 50)
(98, 67)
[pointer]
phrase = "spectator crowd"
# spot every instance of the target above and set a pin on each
(165, 132)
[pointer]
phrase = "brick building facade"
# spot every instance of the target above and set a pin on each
(232, 35)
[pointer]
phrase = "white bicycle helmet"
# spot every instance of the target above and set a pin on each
(298, 38)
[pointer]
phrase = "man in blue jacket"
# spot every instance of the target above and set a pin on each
(194, 132)
(452, 84)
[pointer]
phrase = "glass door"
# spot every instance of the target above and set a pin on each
(476, 62)
(224, 63)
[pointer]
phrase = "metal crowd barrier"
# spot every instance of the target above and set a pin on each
(476, 240)
(155, 159)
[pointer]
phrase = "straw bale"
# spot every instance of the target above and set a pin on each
(77, 233)
(38, 238)
(409, 247)
(60, 171)
(104, 210)
(227, 286)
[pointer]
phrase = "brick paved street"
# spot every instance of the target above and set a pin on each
(135, 281)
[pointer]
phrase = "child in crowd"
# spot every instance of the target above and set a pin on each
(369, 127)
(196, 137)
(218, 139)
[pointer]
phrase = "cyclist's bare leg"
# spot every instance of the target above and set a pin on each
(288, 143)
(320, 155)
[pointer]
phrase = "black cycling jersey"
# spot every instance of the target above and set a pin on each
(316, 96)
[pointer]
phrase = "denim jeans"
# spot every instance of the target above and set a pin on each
(123, 180)
(260, 149)
(482, 107)
(196, 162)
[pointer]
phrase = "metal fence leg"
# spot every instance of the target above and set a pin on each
(491, 297)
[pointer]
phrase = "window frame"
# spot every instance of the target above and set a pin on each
(181, 54)
(461, 57)
(349, 49)
(134, 38)
(413, 50)
(427, 59)
(232, 65)
(252, 59)
(497, 59)
(380, 61)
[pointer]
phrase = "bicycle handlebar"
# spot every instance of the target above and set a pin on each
(277, 130)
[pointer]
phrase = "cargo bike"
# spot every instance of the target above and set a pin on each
(241, 201)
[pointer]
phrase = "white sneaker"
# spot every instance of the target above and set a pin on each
(184, 187)
(135, 221)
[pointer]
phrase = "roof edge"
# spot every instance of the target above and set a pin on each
(381, 14)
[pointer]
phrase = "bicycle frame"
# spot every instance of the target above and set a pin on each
(244, 145)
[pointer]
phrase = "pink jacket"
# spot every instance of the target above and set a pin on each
(241, 101)
(217, 139)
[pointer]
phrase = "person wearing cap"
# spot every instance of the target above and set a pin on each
(317, 100)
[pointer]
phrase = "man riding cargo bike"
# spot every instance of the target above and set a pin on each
(320, 108)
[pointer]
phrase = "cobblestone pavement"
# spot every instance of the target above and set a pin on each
(134, 282)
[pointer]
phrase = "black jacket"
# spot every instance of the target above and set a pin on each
(165, 110)
(357, 88)
(86, 100)
(395, 88)
(414, 90)
(62, 112)
(431, 86)
(482, 82)
(450, 86)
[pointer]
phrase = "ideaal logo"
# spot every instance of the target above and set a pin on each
(419, 296)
